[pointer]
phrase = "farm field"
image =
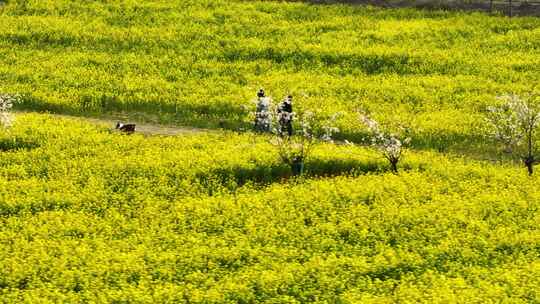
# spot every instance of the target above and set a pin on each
(200, 62)
(88, 215)
(92, 216)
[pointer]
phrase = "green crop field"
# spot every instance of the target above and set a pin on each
(88, 215)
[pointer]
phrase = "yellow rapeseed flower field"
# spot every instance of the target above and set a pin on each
(88, 215)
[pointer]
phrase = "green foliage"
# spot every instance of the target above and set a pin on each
(89, 215)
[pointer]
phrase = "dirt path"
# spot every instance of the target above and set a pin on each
(143, 128)
(147, 129)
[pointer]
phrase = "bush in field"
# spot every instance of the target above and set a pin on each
(389, 144)
(294, 150)
(294, 147)
(514, 124)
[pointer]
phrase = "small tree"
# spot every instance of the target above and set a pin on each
(6, 104)
(295, 150)
(390, 145)
(514, 123)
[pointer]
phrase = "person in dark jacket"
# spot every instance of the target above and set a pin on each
(285, 114)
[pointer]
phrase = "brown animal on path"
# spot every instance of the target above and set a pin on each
(126, 128)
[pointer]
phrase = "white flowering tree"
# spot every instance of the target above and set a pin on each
(6, 104)
(514, 123)
(390, 145)
(295, 150)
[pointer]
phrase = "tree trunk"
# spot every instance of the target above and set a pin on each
(393, 165)
(297, 167)
(529, 160)
(530, 169)
(529, 163)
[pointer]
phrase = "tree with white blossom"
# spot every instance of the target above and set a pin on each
(294, 150)
(6, 104)
(389, 144)
(514, 123)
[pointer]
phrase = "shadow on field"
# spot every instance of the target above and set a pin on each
(402, 64)
(267, 174)
(336, 167)
(476, 146)
(17, 143)
(212, 115)
(7, 210)
(222, 115)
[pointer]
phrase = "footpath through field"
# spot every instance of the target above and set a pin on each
(143, 128)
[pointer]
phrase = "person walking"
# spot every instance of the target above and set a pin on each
(263, 120)
(285, 114)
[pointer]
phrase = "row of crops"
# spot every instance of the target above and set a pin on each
(200, 62)
(88, 215)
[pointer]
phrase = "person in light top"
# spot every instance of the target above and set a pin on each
(263, 119)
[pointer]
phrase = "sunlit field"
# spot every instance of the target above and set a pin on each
(87, 215)
(200, 62)
(90, 215)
